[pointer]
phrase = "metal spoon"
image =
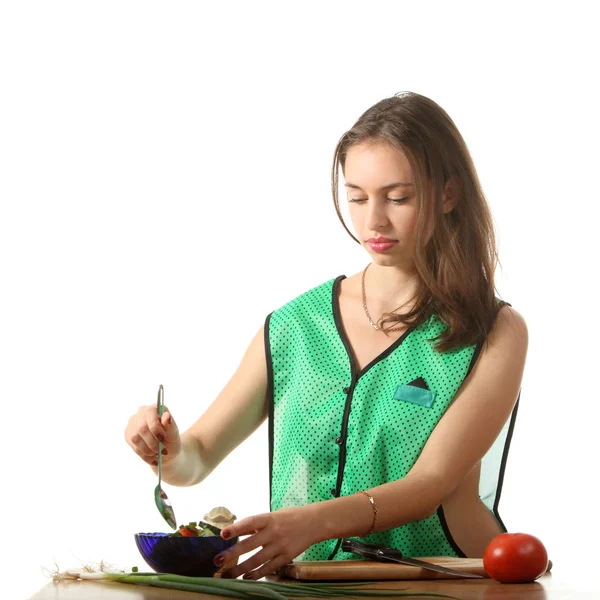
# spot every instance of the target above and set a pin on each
(162, 502)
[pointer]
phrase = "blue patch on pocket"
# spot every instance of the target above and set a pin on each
(415, 395)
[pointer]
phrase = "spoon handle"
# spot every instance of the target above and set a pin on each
(160, 407)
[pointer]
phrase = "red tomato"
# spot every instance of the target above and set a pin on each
(187, 532)
(515, 558)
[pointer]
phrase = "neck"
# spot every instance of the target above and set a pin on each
(389, 287)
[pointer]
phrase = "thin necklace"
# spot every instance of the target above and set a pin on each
(364, 299)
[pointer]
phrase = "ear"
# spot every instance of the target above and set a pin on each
(451, 193)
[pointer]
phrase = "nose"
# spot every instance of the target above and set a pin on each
(376, 215)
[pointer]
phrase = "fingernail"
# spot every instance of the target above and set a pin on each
(247, 576)
(160, 437)
(225, 535)
(155, 463)
(219, 560)
(164, 452)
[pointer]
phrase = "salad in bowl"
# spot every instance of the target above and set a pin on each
(191, 549)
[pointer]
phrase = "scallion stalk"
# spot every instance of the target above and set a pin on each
(246, 590)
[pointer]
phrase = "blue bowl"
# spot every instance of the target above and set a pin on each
(191, 556)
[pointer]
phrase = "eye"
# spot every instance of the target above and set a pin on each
(395, 200)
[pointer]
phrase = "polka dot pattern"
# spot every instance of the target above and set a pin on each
(316, 406)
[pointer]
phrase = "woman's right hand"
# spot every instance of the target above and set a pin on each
(144, 430)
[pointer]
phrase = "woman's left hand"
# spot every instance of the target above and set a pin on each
(283, 535)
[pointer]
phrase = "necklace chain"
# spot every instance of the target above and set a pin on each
(364, 299)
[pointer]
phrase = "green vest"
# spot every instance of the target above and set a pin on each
(334, 431)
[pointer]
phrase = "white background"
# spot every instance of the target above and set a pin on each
(165, 184)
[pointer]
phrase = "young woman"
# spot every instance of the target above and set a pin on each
(391, 394)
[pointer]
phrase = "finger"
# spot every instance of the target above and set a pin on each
(169, 426)
(155, 426)
(259, 538)
(148, 439)
(247, 526)
(141, 449)
(255, 561)
(268, 568)
(243, 547)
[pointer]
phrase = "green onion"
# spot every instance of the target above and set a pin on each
(247, 590)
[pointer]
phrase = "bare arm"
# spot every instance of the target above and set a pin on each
(238, 411)
(463, 435)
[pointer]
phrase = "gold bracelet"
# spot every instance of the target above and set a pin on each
(374, 511)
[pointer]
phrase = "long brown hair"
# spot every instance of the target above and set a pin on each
(456, 261)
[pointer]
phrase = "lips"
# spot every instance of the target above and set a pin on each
(381, 240)
(381, 246)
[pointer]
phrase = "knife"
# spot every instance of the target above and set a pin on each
(392, 555)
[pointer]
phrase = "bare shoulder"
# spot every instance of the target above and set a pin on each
(501, 363)
(512, 317)
(350, 286)
(509, 331)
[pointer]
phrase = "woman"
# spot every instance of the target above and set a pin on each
(394, 431)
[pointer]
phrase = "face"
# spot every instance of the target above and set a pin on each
(378, 208)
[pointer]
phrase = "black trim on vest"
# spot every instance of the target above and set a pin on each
(342, 334)
(474, 358)
(343, 438)
(455, 546)
(509, 435)
(338, 323)
(337, 547)
(270, 402)
(335, 305)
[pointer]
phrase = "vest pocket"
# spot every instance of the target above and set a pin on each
(415, 395)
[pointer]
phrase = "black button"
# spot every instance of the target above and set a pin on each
(346, 390)
(333, 491)
(338, 440)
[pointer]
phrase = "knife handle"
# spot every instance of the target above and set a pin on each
(369, 550)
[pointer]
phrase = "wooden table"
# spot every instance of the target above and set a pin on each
(547, 587)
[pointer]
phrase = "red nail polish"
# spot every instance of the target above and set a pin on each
(226, 535)
(219, 560)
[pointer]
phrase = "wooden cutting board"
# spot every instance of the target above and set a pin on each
(368, 569)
